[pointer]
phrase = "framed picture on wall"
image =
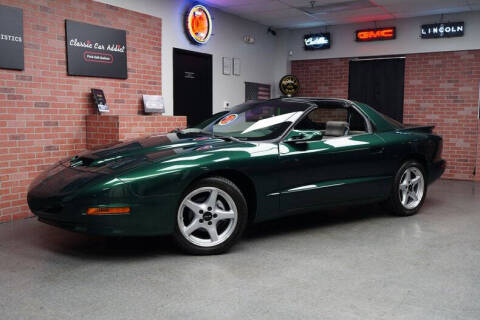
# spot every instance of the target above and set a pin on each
(95, 51)
(236, 66)
(227, 65)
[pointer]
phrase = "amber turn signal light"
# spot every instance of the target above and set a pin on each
(108, 210)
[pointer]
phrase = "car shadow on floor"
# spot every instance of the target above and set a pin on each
(125, 248)
(314, 220)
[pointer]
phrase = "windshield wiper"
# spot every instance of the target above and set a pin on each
(213, 136)
(227, 138)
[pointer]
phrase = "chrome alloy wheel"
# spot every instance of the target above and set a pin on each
(207, 216)
(411, 188)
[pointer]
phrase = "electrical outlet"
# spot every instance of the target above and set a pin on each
(226, 105)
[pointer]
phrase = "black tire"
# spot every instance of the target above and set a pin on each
(234, 192)
(394, 203)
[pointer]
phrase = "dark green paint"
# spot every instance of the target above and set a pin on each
(280, 177)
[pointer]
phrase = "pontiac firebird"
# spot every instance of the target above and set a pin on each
(259, 161)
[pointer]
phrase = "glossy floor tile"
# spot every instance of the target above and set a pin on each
(354, 263)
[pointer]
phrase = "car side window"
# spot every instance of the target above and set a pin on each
(333, 122)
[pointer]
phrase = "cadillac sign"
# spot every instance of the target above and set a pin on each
(317, 41)
(442, 30)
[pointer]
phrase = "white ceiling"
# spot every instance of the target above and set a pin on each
(299, 13)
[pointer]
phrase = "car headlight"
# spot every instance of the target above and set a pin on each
(50, 171)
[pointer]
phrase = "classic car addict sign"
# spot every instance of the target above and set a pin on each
(442, 30)
(95, 51)
(375, 34)
(11, 38)
(317, 41)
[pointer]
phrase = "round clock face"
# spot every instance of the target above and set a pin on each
(199, 24)
(289, 85)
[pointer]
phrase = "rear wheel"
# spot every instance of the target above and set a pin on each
(211, 216)
(409, 189)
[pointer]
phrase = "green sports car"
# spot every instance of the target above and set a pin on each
(260, 161)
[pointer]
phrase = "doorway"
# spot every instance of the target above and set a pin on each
(192, 85)
(378, 83)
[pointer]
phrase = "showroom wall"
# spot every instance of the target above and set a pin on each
(441, 89)
(43, 110)
(407, 38)
(42, 114)
(442, 78)
(257, 60)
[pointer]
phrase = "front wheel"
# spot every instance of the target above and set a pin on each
(409, 189)
(211, 216)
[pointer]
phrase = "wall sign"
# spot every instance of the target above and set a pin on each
(95, 51)
(153, 104)
(442, 30)
(289, 85)
(198, 24)
(227, 64)
(100, 100)
(11, 38)
(317, 41)
(375, 34)
(236, 66)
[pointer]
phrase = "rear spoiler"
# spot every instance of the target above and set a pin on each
(415, 128)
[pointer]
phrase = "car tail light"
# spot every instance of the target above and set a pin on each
(438, 154)
(108, 210)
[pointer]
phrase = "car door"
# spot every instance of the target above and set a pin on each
(344, 169)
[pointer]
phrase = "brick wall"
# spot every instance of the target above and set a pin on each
(322, 77)
(440, 89)
(109, 129)
(42, 110)
(477, 152)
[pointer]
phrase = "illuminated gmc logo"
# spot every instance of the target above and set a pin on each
(375, 34)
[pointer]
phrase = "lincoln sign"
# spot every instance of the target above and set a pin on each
(442, 30)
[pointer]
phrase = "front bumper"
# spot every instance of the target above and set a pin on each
(147, 218)
(62, 200)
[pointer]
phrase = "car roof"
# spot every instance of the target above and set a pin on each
(375, 117)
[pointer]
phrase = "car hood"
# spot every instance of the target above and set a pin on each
(153, 148)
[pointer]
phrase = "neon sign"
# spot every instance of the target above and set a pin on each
(198, 24)
(317, 41)
(442, 30)
(375, 34)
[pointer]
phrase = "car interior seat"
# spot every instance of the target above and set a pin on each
(336, 129)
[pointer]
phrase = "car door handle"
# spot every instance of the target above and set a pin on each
(377, 150)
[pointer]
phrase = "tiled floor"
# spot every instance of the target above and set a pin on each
(356, 263)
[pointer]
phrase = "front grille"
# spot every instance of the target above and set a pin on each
(53, 209)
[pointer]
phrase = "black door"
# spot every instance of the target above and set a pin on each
(378, 83)
(192, 85)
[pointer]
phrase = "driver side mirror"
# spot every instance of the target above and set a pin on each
(297, 137)
(301, 137)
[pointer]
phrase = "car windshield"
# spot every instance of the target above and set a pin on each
(206, 123)
(264, 120)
